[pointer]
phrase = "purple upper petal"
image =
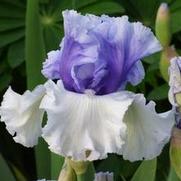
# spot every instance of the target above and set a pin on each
(100, 53)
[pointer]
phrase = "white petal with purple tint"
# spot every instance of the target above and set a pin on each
(84, 126)
(22, 115)
(147, 132)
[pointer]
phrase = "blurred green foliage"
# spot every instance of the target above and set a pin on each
(21, 161)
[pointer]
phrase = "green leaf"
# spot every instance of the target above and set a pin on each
(173, 176)
(5, 80)
(56, 7)
(147, 9)
(5, 171)
(52, 37)
(16, 53)
(152, 58)
(44, 1)
(146, 171)
(117, 165)
(175, 23)
(16, 3)
(56, 165)
(35, 48)
(159, 93)
(82, 3)
(175, 6)
(35, 55)
(103, 8)
(3, 66)
(151, 79)
(18, 173)
(11, 36)
(141, 9)
(10, 11)
(8, 24)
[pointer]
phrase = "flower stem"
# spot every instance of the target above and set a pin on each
(84, 170)
(34, 55)
(81, 177)
(88, 175)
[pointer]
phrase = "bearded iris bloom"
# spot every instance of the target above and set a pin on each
(90, 114)
(175, 88)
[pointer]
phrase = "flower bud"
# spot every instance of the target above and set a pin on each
(80, 167)
(67, 173)
(175, 151)
(163, 25)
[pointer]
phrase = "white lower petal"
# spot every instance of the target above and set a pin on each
(22, 115)
(147, 131)
(78, 123)
(104, 176)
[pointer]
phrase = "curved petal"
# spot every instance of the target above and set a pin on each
(22, 115)
(147, 131)
(122, 47)
(51, 67)
(103, 176)
(84, 126)
(144, 41)
(75, 24)
(137, 74)
(106, 50)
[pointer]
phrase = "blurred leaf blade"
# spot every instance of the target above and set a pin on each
(99, 8)
(56, 165)
(146, 171)
(35, 48)
(173, 176)
(159, 93)
(8, 10)
(5, 171)
(8, 24)
(5, 80)
(18, 174)
(52, 36)
(175, 24)
(16, 53)
(82, 3)
(16, 3)
(35, 54)
(11, 36)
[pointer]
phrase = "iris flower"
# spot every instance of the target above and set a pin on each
(90, 114)
(175, 88)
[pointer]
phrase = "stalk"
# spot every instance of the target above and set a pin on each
(35, 54)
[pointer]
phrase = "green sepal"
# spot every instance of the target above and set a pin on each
(83, 169)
